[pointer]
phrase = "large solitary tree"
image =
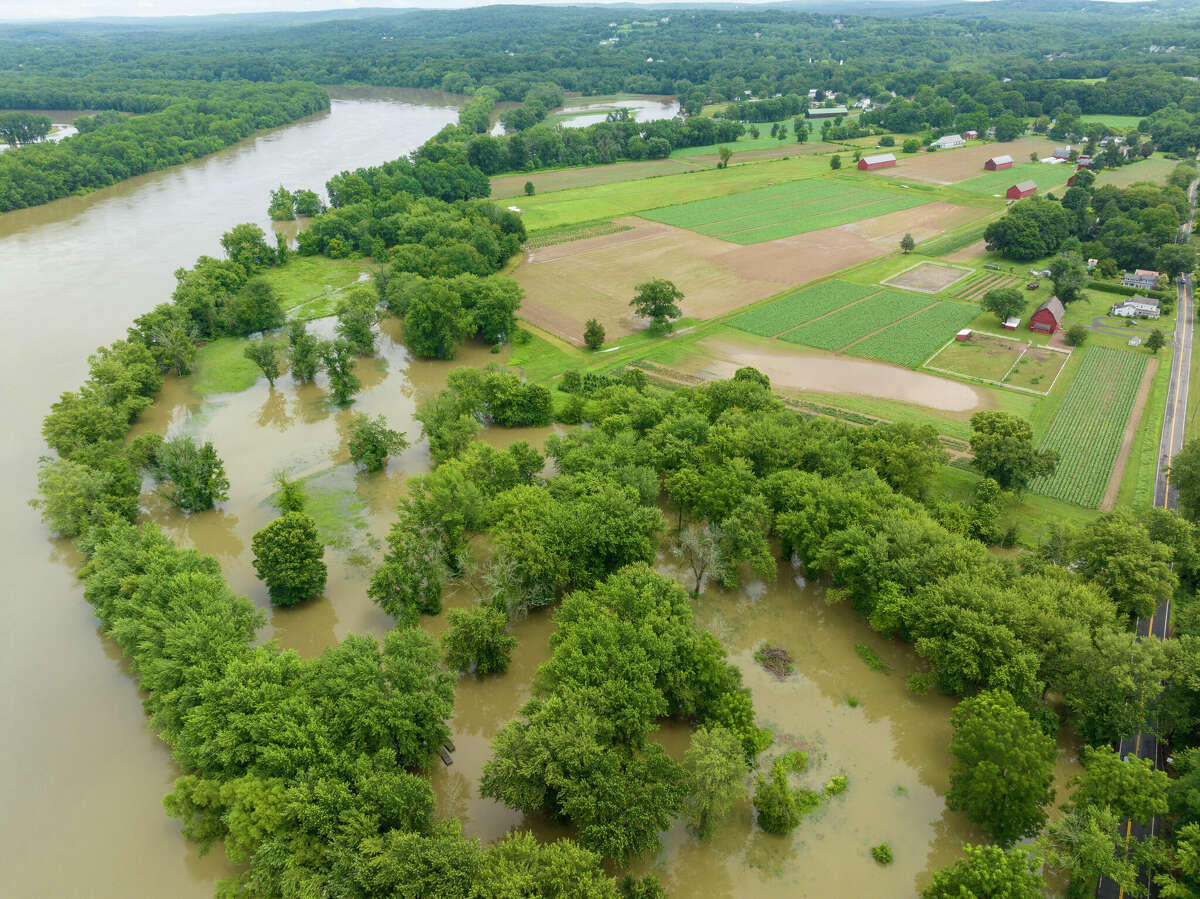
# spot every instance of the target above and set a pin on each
(1002, 444)
(1003, 773)
(288, 558)
(1004, 302)
(658, 301)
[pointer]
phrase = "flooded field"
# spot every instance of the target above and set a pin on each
(575, 114)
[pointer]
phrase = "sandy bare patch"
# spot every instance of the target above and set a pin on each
(567, 284)
(922, 222)
(950, 166)
(788, 368)
(928, 277)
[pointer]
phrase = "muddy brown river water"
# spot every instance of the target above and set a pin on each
(84, 777)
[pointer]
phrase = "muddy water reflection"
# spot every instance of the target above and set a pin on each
(83, 775)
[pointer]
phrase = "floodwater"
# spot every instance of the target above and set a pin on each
(851, 719)
(646, 109)
(84, 775)
(62, 122)
(83, 778)
(797, 370)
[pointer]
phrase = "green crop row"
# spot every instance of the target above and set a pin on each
(841, 328)
(913, 340)
(1088, 428)
(799, 307)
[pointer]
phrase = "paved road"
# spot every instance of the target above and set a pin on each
(1145, 745)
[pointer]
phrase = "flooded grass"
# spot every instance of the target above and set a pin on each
(221, 367)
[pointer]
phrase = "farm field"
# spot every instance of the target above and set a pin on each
(1156, 169)
(928, 277)
(621, 198)
(779, 149)
(1124, 122)
(799, 307)
(783, 210)
(951, 166)
(551, 236)
(1087, 429)
(1037, 369)
(506, 186)
(595, 277)
(847, 325)
(1045, 176)
(912, 340)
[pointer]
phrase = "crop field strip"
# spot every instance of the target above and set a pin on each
(991, 281)
(1088, 427)
(782, 210)
(847, 325)
(799, 307)
(912, 340)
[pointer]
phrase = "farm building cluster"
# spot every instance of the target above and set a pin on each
(1136, 307)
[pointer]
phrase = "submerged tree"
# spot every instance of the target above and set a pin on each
(288, 558)
(372, 441)
(478, 641)
(716, 768)
(339, 365)
(265, 355)
(304, 354)
(194, 475)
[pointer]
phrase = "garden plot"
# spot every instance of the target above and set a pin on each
(783, 210)
(844, 327)
(799, 307)
(928, 277)
(977, 285)
(999, 360)
(910, 341)
(1087, 429)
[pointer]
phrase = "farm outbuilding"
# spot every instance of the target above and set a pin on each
(1011, 324)
(1048, 317)
(949, 142)
(882, 161)
(964, 334)
(1021, 189)
(826, 112)
(996, 163)
(970, 135)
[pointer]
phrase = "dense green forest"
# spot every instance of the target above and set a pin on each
(169, 130)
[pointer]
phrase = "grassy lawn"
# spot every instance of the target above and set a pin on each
(1045, 176)
(221, 367)
(607, 201)
(1123, 122)
(1137, 484)
(783, 210)
(308, 285)
(1032, 513)
(1156, 169)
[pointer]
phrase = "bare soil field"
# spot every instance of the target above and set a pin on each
(972, 252)
(569, 283)
(506, 186)
(922, 222)
(789, 368)
(927, 277)
(950, 166)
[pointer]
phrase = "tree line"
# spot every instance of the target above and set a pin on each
(119, 147)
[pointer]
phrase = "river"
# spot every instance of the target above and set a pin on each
(84, 776)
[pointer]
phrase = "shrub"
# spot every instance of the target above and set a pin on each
(287, 557)
(882, 853)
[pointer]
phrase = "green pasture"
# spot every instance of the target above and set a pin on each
(784, 210)
(609, 201)
(1045, 176)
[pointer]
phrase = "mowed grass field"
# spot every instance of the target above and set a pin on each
(841, 328)
(799, 307)
(1087, 429)
(784, 210)
(914, 339)
(608, 201)
(1045, 176)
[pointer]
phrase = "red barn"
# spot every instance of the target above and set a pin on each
(1021, 190)
(1048, 317)
(882, 161)
(996, 163)
(970, 135)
